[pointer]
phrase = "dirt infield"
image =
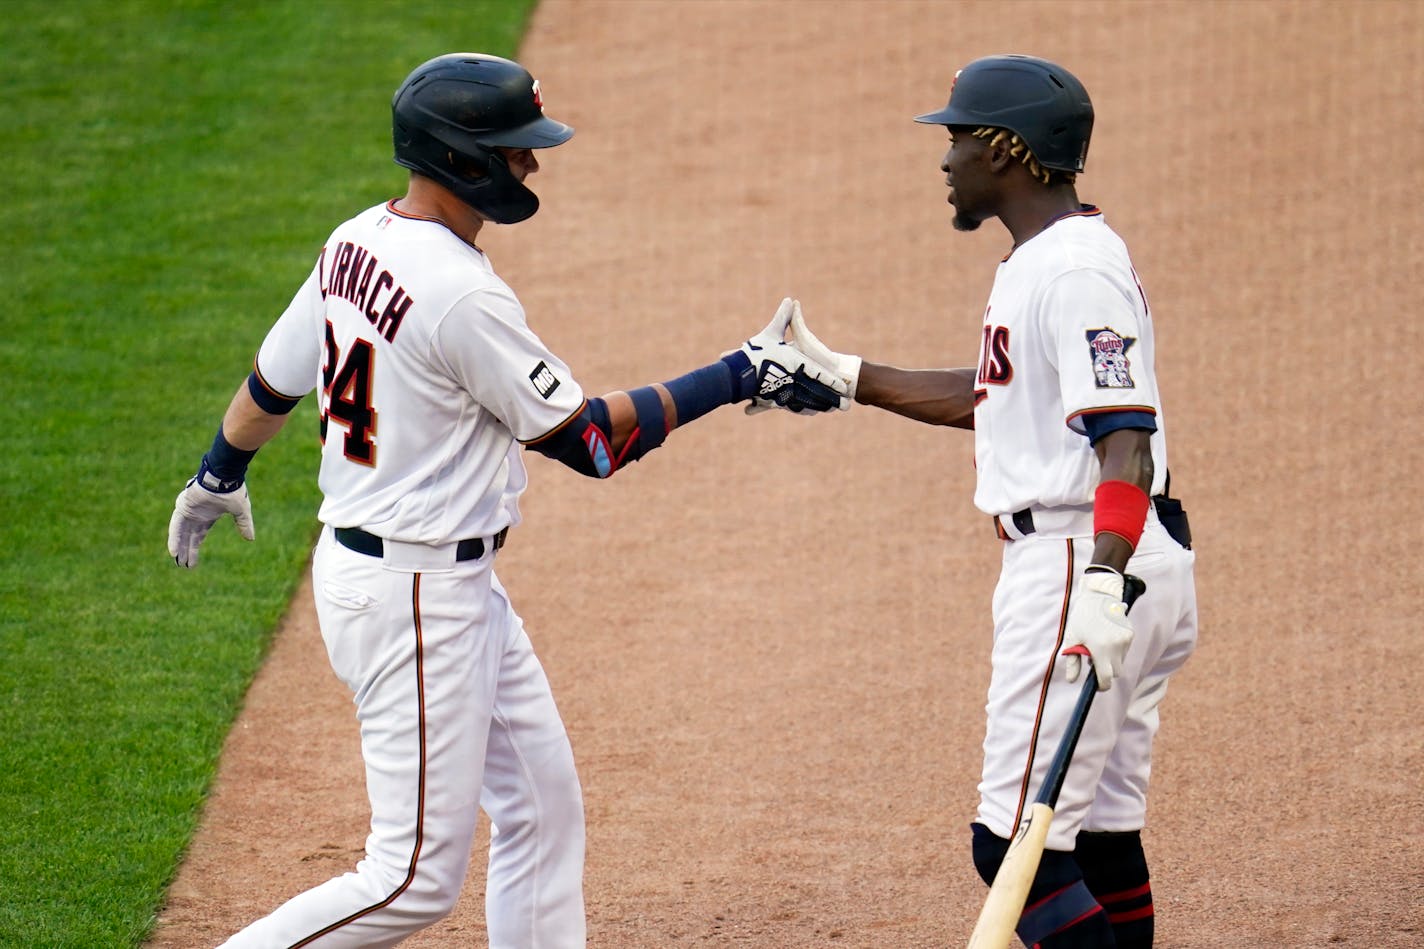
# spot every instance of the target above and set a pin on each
(769, 640)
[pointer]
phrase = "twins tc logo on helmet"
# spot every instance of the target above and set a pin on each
(538, 97)
(1108, 350)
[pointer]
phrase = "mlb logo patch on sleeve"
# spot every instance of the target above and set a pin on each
(545, 382)
(1108, 350)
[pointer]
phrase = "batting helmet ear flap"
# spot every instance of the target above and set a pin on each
(480, 177)
(512, 202)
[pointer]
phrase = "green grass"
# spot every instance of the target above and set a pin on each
(171, 170)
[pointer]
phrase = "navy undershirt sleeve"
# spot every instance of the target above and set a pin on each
(268, 401)
(1101, 424)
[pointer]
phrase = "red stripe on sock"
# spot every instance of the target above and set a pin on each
(1129, 915)
(1125, 895)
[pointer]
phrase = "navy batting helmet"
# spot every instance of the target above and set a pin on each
(452, 112)
(1043, 103)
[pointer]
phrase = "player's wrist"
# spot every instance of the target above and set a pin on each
(1102, 579)
(224, 468)
(702, 390)
(1120, 509)
(848, 367)
(742, 375)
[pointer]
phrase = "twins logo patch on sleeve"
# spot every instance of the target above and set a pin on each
(1111, 368)
(545, 382)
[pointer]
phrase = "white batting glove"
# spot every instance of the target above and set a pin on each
(785, 376)
(845, 366)
(1098, 623)
(196, 510)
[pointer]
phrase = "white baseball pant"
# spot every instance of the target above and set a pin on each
(1030, 699)
(456, 715)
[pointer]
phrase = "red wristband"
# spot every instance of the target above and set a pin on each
(1120, 507)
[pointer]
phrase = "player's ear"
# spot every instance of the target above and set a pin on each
(1000, 157)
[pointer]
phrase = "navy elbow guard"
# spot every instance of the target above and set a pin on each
(584, 442)
(693, 395)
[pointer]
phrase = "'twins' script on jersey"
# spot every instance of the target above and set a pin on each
(995, 369)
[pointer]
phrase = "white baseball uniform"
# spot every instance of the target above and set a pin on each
(429, 377)
(1068, 334)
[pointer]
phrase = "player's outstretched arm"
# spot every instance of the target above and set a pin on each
(765, 371)
(220, 486)
(933, 396)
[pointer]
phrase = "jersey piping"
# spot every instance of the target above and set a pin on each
(1043, 690)
(556, 429)
(1112, 409)
(262, 381)
(1087, 210)
(391, 207)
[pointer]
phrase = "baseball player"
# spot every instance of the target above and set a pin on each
(1071, 458)
(429, 382)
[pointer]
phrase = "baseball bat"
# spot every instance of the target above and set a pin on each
(1005, 902)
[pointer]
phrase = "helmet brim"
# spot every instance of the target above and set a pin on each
(543, 132)
(945, 116)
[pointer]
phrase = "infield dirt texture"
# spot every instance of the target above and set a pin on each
(769, 640)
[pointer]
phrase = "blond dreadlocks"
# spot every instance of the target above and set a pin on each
(1020, 150)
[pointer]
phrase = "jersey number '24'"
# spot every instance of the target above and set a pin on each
(346, 397)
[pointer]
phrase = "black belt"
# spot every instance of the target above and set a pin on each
(1169, 512)
(1023, 522)
(354, 538)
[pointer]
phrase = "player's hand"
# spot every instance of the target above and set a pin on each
(197, 509)
(845, 366)
(782, 376)
(1098, 623)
